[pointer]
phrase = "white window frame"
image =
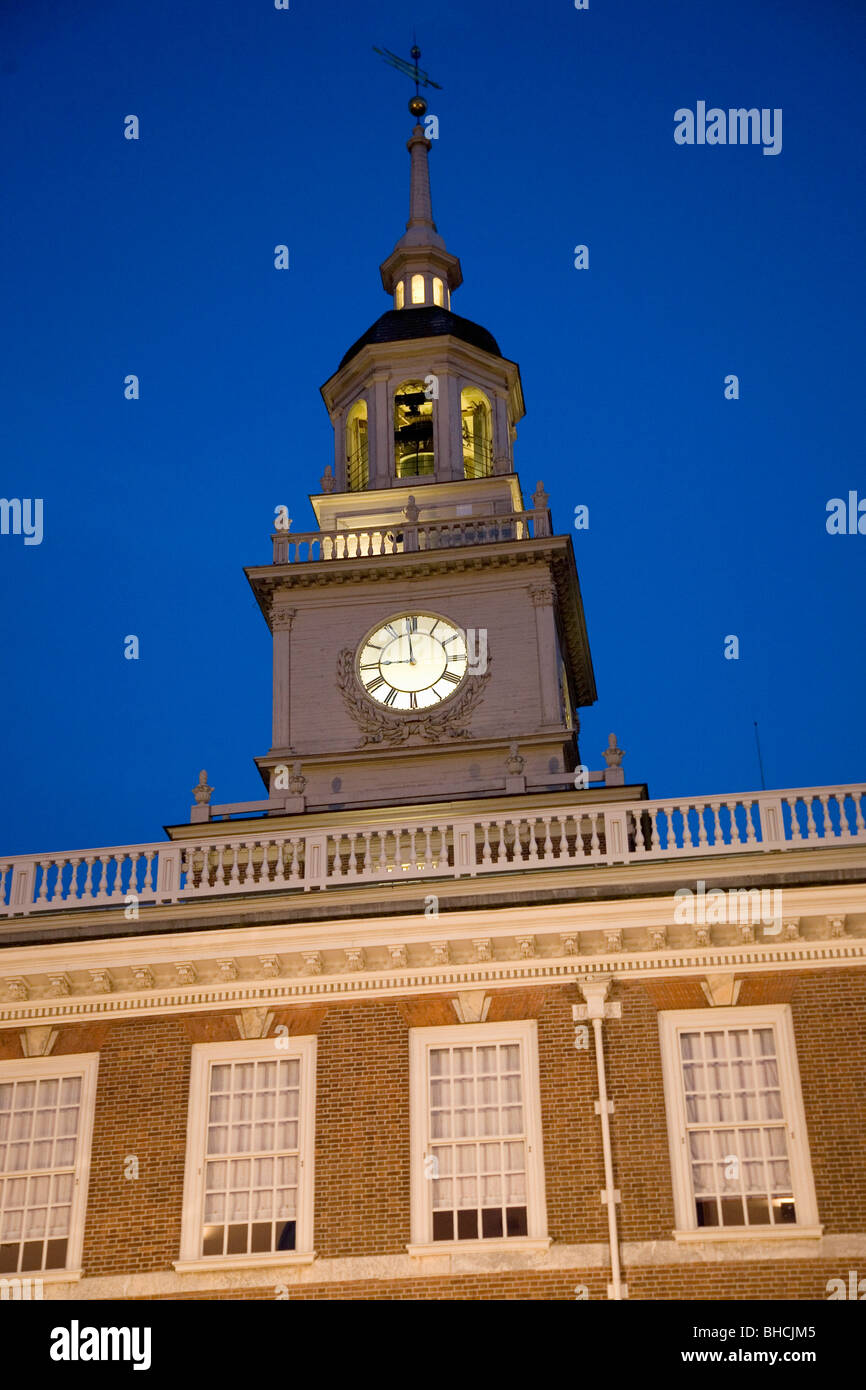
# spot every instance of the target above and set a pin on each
(85, 1065)
(779, 1017)
(421, 1040)
(277, 1049)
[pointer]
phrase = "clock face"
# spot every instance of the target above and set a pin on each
(413, 661)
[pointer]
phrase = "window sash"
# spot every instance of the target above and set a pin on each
(739, 1154)
(46, 1117)
(477, 1171)
(249, 1171)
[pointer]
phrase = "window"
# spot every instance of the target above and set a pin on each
(46, 1118)
(249, 1167)
(357, 452)
(413, 430)
(418, 295)
(477, 1169)
(399, 295)
(438, 292)
(476, 426)
(739, 1153)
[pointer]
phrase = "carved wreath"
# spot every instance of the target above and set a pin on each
(379, 725)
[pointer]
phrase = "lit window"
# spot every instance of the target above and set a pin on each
(735, 1117)
(438, 291)
(418, 295)
(413, 430)
(357, 452)
(400, 294)
(477, 1171)
(46, 1118)
(249, 1157)
(477, 429)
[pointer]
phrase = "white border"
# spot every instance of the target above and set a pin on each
(260, 1049)
(85, 1065)
(420, 1041)
(779, 1017)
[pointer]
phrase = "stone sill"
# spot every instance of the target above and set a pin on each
(747, 1233)
(220, 1262)
(526, 1245)
(48, 1276)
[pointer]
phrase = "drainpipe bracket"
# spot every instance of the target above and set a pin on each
(598, 1107)
(581, 1012)
(604, 1197)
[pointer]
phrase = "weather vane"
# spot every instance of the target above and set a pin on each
(417, 104)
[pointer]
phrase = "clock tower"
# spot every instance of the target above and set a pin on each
(433, 620)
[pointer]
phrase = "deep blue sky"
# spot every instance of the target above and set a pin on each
(259, 127)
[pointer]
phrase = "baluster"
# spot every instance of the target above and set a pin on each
(105, 860)
(502, 847)
(811, 828)
(278, 874)
(749, 808)
(150, 872)
(688, 842)
(234, 876)
(548, 843)
(562, 840)
(87, 888)
(428, 849)
(858, 814)
(42, 895)
(486, 856)
(715, 824)
(353, 863)
(413, 857)
(57, 891)
(595, 843)
(824, 798)
(796, 833)
(295, 846)
(639, 841)
(701, 808)
(736, 838)
(382, 866)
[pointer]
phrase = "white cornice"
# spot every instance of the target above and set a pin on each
(526, 946)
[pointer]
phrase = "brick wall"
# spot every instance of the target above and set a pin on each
(362, 1135)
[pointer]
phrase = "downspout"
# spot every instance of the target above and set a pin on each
(594, 992)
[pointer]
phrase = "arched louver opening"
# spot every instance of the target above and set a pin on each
(357, 453)
(477, 430)
(413, 431)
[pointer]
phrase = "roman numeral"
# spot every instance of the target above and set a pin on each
(391, 696)
(374, 685)
(413, 700)
(393, 631)
(447, 676)
(411, 624)
(369, 665)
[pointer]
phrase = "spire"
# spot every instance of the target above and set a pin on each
(420, 201)
(420, 271)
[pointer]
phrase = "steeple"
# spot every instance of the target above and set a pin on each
(420, 270)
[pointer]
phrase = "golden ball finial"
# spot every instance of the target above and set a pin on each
(417, 105)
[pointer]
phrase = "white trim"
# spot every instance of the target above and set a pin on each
(85, 1065)
(708, 1234)
(259, 1049)
(421, 1040)
(779, 1017)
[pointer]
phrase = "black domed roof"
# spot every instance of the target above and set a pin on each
(429, 321)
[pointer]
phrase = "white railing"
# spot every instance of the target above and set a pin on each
(404, 536)
(570, 835)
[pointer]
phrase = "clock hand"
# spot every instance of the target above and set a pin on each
(409, 635)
